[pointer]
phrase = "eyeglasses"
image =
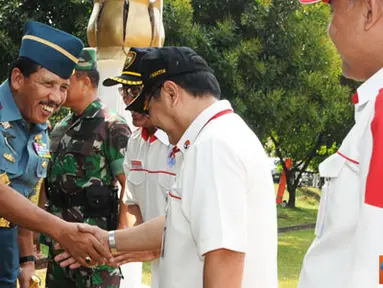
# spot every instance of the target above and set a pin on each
(150, 95)
(132, 92)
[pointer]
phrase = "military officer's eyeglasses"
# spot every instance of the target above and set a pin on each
(132, 92)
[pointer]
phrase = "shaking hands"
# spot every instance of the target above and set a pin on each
(94, 244)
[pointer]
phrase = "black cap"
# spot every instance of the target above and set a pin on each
(130, 73)
(161, 65)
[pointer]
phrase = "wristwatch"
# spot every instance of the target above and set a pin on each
(112, 241)
(29, 258)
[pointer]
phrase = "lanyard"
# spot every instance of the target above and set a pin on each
(175, 149)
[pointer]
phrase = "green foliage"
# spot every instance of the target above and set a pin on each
(274, 60)
(277, 65)
(71, 16)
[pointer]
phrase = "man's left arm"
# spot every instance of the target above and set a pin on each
(223, 268)
(217, 218)
(27, 269)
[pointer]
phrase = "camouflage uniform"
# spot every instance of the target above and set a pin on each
(87, 151)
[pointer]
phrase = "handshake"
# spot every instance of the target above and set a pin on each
(89, 246)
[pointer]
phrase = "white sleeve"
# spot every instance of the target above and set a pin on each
(129, 198)
(216, 198)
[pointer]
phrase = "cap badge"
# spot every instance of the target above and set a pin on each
(130, 59)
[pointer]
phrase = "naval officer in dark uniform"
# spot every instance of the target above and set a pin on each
(36, 87)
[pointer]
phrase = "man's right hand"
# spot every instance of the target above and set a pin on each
(81, 241)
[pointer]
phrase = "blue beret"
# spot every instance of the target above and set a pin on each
(51, 48)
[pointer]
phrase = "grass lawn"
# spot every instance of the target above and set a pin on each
(307, 203)
(292, 248)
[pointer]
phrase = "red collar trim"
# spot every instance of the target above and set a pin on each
(147, 136)
(355, 98)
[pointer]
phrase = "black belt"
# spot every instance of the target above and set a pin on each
(65, 200)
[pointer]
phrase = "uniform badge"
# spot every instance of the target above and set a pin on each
(129, 59)
(40, 147)
(171, 159)
(187, 144)
(44, 164)
(6, 125)
(136, 164)
(4, 179)
(172, 156)
(4, 223)
(9, 157)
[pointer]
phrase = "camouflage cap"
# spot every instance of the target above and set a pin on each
(87, 60)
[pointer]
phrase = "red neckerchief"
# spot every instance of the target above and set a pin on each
(147, 136)
(355, 98)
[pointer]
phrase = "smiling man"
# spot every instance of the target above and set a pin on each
(349, 234)
(36, 87)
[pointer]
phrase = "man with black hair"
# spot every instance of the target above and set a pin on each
(88, 148)
(220, 228)
(149, 173)
(36, 87)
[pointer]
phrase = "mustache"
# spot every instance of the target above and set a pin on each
(50, 103)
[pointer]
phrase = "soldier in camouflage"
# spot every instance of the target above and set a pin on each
(88, 148)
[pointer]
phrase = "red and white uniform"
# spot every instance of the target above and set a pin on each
(349, 230)
(149, 177)
(223, 199)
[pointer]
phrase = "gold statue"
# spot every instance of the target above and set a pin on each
(126, 23)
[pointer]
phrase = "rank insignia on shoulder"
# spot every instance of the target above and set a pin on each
(4, 179)
(6, 125)
(9, 157)
(4, 223)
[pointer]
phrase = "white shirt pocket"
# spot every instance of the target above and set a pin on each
(329, 169)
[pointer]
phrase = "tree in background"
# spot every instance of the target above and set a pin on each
(70, 15)
(273, 59)
(277, 64)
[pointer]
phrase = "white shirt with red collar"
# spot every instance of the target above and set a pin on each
(223, 198)
(149, 176)
(349, 229)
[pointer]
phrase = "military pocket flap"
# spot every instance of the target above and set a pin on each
(82, 147)
(42, 165)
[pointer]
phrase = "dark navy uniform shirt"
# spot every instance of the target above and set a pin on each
(24, 159)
